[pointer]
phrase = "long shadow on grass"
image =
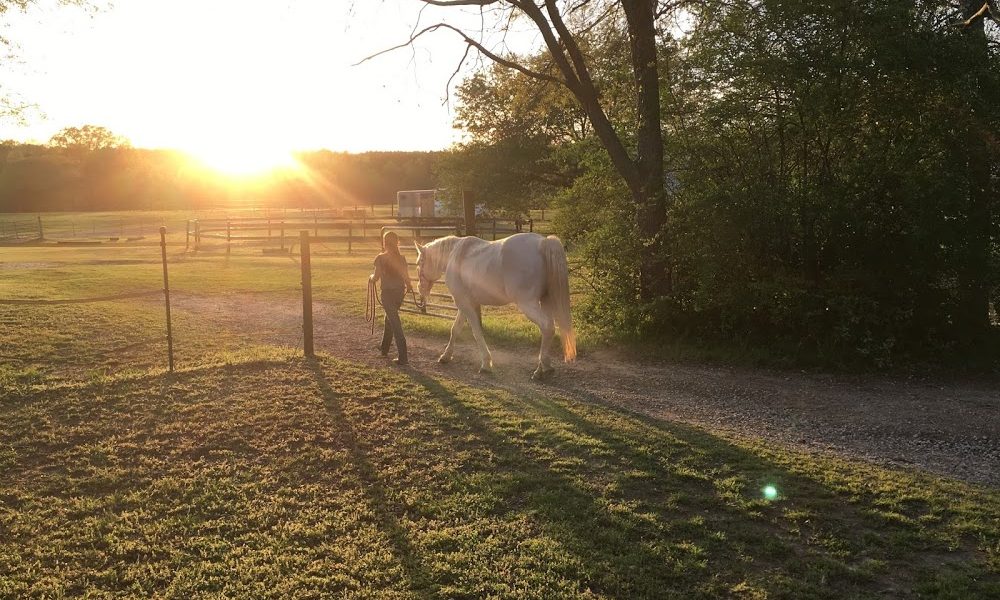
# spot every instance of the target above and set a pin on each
(621, 551)
(693, 501)
(419, 579)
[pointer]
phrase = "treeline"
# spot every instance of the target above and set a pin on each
(832, 173)
(76, 178)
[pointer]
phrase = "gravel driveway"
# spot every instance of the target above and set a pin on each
(949, 428)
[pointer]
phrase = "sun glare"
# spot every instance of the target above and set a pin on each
(244, 161)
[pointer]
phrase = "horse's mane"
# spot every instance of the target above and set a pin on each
(442, 248)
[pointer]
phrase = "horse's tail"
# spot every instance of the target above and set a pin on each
(557, 293)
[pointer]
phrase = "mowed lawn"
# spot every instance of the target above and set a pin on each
(253, 472)
(267, 475)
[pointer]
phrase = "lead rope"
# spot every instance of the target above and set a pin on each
(371, 304)
(421, 305)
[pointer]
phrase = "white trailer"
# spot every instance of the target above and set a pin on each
(417, 203)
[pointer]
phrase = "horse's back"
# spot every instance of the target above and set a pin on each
(499, 272)
(523, 266)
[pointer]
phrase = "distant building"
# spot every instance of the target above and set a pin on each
(418, 203)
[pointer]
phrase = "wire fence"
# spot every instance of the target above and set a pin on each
(165, 291)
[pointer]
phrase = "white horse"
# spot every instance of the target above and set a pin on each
(527, 269)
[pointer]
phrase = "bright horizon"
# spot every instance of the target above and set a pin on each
(245, 81)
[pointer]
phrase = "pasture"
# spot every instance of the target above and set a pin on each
(253, 472)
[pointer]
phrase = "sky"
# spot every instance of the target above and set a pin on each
(240, 76)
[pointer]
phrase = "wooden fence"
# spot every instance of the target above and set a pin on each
(282, 232)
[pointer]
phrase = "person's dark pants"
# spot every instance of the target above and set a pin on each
(392, 299)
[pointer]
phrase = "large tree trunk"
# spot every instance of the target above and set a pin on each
(648, 190)
(972, 319)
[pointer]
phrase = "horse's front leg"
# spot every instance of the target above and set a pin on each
(456, 329)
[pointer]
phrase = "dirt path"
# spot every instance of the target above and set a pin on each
(951, 429)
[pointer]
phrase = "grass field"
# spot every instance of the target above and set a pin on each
(252, 472)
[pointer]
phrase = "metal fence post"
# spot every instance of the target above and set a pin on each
(307, 317)
(166, 298)
(349, 237)
(187, 235)
(229, 236)
(282, 235)
(41, 234)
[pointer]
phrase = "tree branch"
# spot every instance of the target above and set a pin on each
(983, 13)
(461, 2)
(510, 64)
(458, 68)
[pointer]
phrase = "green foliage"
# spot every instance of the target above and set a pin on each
(828, 205)
(521, 130)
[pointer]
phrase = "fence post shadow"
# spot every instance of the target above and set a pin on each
(419, 580)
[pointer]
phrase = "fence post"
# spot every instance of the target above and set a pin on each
(307, 315)
(187, 235)
(269, 229)
(469, 211)
(315, 225)
(15, 230)
(349, 230)
(41, 235)
(229, 236)
(531, 225)
(494, 230)
(282, 235)
(363, 227)
(197, 234)
(166, 298)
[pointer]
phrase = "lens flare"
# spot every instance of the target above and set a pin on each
(770, 492)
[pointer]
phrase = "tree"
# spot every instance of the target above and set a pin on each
(974, 317)
(521, 134)
(88, 139)
(637, 158)
(10, 105)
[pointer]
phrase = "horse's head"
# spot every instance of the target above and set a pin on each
(429, 268)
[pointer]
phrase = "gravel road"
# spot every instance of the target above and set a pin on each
(950, 428)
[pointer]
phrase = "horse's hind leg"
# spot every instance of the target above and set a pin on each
(535, 312)
(456, 329)
(474, 316)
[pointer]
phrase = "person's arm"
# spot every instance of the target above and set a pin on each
(378, 271)
(406, 271)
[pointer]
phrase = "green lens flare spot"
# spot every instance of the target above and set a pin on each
(770, 492)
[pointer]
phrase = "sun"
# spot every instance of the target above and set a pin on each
(237, 160)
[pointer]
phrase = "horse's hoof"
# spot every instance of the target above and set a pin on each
(485, 370)
(542, 374)
(444, 359)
